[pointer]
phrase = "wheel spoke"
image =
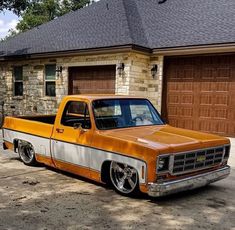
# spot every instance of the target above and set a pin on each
(131, 183)
(117, 167)
(121, 182)
(133, 171)
(123, 177)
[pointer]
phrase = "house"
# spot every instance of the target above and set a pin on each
(178, 53)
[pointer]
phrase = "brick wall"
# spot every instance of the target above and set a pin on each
(136, 80)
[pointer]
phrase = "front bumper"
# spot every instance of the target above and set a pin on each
(192, 182)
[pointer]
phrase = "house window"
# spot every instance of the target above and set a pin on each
(18, 80)
(50, 84)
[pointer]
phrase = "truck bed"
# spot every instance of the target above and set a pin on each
(48, 119)
(34, 125)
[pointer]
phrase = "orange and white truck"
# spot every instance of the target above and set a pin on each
(119, 140)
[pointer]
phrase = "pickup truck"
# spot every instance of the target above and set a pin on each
(122, 141)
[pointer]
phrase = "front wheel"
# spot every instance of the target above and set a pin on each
(124, 178)
(26, 153)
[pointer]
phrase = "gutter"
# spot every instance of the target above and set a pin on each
(190, 50)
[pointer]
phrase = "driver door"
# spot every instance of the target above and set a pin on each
(71, 137)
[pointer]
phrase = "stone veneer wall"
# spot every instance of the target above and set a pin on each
(141, 81)
(136, 80)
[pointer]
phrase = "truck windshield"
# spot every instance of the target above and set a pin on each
(125, 113)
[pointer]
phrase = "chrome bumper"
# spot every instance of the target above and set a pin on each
(192, 182)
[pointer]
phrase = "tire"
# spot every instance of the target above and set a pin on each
(27, 153)
(124, 179)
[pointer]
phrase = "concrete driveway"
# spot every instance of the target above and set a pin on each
(42, 198)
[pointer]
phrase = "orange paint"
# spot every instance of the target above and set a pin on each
(143, 143)
(45, 160)
(9, 145)
(78, 170)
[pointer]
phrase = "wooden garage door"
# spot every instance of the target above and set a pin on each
(199, 93)
(92, 80)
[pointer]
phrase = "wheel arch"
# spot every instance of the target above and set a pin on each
(105, 168)
(16, 145)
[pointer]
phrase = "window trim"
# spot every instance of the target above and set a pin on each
(95, 122)
(48, 81)
(86, 109)
(17, 81)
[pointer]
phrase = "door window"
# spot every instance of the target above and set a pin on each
(76, 112)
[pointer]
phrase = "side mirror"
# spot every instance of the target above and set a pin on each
(79, 127)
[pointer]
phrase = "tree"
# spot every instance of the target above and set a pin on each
(17, 6)
(72, 5)
(11, 33)
(42, 11)
(37, 12)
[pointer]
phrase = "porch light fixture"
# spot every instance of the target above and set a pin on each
(154, 71)
(120, 69)
(58, 71)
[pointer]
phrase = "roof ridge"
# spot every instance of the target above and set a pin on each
(128, 17)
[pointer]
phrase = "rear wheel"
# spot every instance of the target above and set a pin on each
(26, 153)
(124, 178)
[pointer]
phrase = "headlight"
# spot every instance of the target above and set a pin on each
(163, 164)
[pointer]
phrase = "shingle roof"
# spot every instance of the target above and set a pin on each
(143, 23)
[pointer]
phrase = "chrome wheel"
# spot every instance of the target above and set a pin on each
(123, 177)
(26, 153)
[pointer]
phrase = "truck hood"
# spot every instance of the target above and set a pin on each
(167, 137)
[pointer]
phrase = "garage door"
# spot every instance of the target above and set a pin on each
(199, 93)
(92, 80)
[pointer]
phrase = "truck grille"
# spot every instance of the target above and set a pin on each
(197, 160)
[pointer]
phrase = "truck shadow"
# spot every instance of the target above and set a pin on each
(65, 201)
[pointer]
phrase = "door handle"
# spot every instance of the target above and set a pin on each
(59, 130)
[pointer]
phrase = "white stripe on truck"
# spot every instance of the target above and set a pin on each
(75, 154)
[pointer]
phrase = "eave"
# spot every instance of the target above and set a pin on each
(81, 52)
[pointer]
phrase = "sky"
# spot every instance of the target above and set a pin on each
(8, 20)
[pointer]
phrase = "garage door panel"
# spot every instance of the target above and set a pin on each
(222, 86)
(187, 99)
(221, 99)
(206, 99)
(220, 114)
(92, 80)
(208, 74)
(173, 111)
(173, 99)
(203, 100)
(187, 86)
(206, 125)
(186, 112)
(206, 86)
(185, 122)
(222, 128)
(205, 112)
